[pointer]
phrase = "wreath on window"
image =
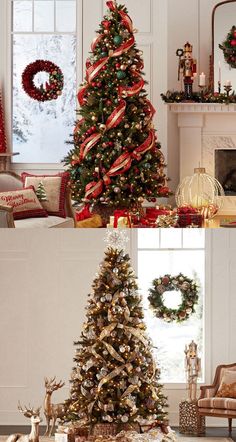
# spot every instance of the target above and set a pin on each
(52, 89)
(229, 48)
(189, 297)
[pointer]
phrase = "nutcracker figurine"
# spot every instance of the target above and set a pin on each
(187, 68)
(193, 370)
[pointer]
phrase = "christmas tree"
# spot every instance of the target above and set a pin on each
(41, 193)
(116, 157)
(115, 379)
(3, 142)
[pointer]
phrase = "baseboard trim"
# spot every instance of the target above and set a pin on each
(23, 429)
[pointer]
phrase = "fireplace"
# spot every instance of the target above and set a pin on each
(225, 170)
(207, 136)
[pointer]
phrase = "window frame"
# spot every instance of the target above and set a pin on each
(207, 317)
(7, 32)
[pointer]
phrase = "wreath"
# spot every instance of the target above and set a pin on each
(52, 90)
(229, 48)
(167, 283)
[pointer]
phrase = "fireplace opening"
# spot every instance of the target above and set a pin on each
(225, 170)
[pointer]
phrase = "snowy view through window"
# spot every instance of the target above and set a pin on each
(171, 255)
(41, 129)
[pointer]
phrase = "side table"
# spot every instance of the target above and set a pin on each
(190, 422)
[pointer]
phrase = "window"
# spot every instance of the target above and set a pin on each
(172, 251)
(43, 29)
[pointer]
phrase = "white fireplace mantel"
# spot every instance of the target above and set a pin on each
(204, 129)
(203, 108)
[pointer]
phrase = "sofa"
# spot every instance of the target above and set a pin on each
(9, 181)
(212, 401)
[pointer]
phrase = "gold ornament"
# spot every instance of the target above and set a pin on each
(102, 127)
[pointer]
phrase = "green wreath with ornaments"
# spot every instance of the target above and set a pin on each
(229, 48)
(189, 297)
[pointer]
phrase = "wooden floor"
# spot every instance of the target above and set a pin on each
(210, 432)
(215, 432)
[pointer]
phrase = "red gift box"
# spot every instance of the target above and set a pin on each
(189, 216)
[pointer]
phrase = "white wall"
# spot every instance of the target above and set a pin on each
(45, 278)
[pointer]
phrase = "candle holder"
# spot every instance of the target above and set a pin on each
(219, 87)
(201, 91)
(228, 89)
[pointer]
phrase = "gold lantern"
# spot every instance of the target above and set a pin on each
(202, 192)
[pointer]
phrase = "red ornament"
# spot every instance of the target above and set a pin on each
(233, 43)
(165, 280)
(52, 89)
(3, 143)
(164, 191)
(106, 24)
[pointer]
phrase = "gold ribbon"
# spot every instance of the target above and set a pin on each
(138, 334)
(107, 331)
(129, 390)
(111, 376)
(113, 352)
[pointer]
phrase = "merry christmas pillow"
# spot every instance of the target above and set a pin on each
(24, 202)
(51, 191)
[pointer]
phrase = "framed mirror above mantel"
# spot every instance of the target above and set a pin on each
(224, 57)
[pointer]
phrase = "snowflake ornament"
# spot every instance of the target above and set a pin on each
(116, 239)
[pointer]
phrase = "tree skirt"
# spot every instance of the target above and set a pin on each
(171, 436)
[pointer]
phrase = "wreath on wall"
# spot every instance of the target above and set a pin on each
(229, 48)
(168, 283)
(52, 89)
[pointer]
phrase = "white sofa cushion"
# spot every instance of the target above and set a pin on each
(44, 223)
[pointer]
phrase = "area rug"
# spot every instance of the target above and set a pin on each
(203, 439)
(179, 439)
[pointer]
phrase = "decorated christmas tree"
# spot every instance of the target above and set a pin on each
(116, 158)
(3, 142)
(115, 379)
(41, 193)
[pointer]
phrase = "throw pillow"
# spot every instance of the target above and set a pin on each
(24, 202)
(51, 189)
(227, 391)
(227, 383)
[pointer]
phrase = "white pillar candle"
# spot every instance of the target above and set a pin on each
(202, 79)
(228, 83)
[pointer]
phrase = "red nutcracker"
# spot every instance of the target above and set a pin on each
(187, 68)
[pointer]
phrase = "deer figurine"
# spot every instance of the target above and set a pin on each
(52, 411)
(35, 421)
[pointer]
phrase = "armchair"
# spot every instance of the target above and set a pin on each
(211, 405)
(11, 181)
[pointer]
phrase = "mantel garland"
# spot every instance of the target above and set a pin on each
(229, 48)
(52, 89)
(199, 97)
(168, 283)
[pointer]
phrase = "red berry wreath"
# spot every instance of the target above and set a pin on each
(52, 90)
(229, 48)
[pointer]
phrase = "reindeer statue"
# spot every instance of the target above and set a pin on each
(35, 421)
(52, 411)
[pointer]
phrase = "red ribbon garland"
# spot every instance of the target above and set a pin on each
(120, 166)
(81, 95)
(127, 91)
(117, 116)
(127, 21)
(112, 6)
